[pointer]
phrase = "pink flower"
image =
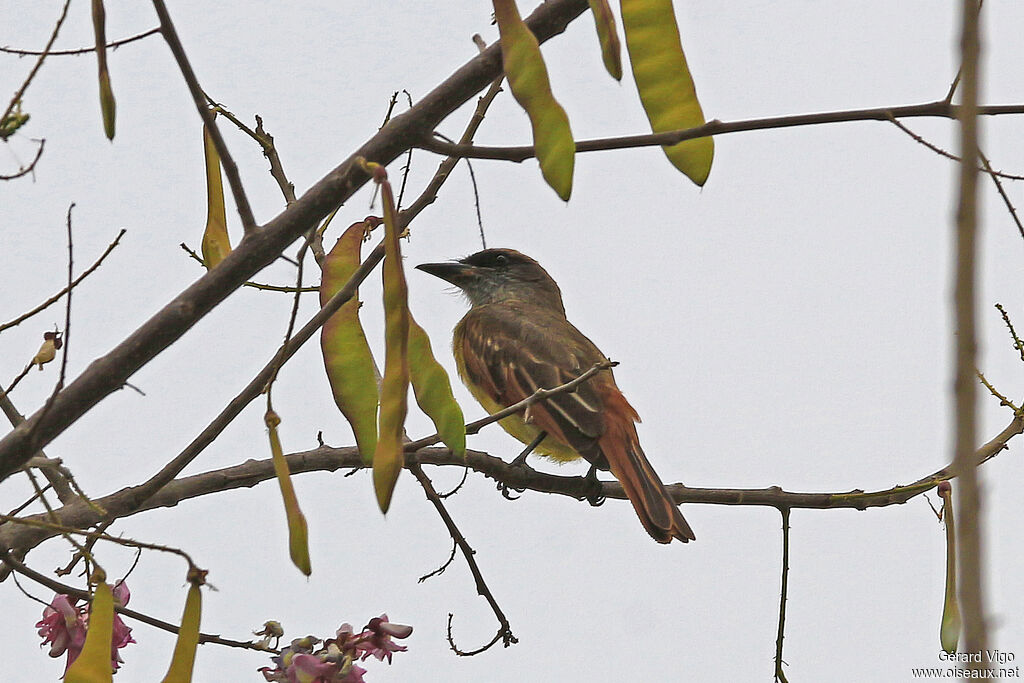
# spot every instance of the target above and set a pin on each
(64, 624)
(376, 638)
(63, 628)
(335, 662)
(122, 634)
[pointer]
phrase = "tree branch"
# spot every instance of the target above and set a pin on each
(327, 459)
(82, 50)
(504, 633)
(780, 674)
(931, 109)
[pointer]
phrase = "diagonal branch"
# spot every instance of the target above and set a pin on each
(56, 297)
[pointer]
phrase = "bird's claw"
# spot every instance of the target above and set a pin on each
(505, 491)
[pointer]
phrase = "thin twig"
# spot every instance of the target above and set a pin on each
(476, 205)
(51, 514)
(59, 385)
(255, 285)
(25, 170)
(1017, 343)
(280, 356)
(199, 97)
(406, 167)
(266, 142)
(56, 297)
(38, 65)
(444, 567)
(504, 633)
(780, 674)
(80, 51)
(944, 153)
(1002, 193)
(1003, 401)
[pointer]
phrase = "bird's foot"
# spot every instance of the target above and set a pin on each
(595, 491)
(520, 464)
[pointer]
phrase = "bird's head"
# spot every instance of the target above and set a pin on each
(499, 275)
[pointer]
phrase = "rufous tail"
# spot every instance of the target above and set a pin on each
(655, 508)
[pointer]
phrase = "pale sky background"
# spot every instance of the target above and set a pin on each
(786, 325)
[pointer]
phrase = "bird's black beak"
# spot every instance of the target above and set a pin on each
(454, 272)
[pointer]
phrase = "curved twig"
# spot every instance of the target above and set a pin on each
(504, 628)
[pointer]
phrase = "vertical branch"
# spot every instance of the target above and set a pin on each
(968, 493)
(780, 675)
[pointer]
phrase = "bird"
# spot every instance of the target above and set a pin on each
(516, 339)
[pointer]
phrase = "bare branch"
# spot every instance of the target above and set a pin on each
(253, 472)
(1002, 193)
(949, 155)
(539, 395)
(504, 633)
(80, 51)
(780, 674)
(939, 109)
(25, 170)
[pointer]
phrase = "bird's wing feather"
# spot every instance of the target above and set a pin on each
(507, 353)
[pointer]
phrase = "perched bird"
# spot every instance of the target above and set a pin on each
(48, 351)
(516, 340)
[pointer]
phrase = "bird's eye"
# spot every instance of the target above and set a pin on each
(501, 260)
